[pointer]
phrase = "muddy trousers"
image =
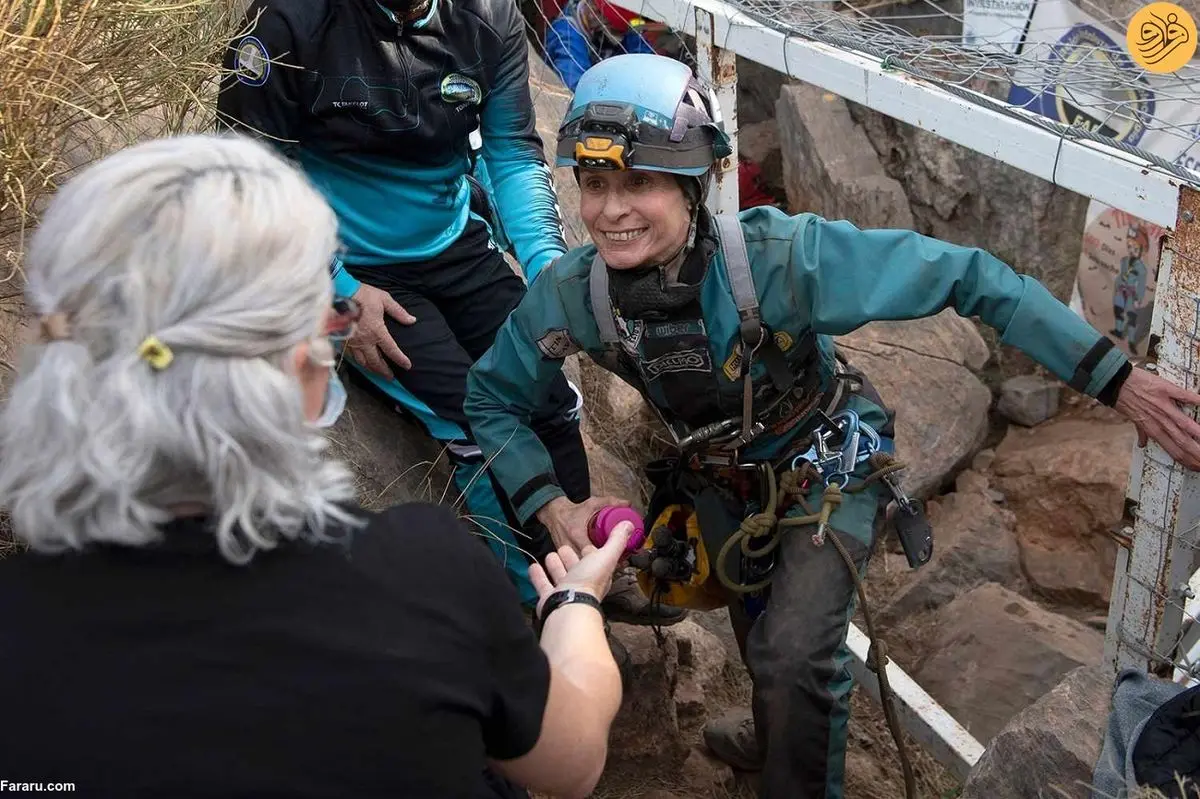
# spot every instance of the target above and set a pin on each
(460, 299)
(796, 649)
(796, 654)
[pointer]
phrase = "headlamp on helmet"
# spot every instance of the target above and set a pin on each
(605, 136)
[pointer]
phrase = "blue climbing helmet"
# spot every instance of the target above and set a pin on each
(642, 111)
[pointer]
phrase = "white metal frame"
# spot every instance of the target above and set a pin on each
(1103, 173)
(719, 66)
(919, 713)
(1151, 584)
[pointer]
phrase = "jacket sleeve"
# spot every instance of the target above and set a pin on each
(508, 383)
(512, 147)
(567, 51)
(845, 277)
(259, 92)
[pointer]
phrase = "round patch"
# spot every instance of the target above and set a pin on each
(1161, 37)
(459, 89)
(1085, 47)
(252, 65)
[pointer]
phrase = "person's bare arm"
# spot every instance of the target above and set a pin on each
(585, 684)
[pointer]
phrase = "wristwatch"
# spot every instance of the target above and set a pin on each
(565, 597)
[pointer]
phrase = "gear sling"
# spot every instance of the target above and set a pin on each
(706, 509)
(702, 495)
(693, 517)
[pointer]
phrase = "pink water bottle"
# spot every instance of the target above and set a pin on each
(602, 524)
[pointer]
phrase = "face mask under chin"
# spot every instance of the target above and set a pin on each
(335, 401)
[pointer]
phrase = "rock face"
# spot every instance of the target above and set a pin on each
(1029, 400)
(1065, 481)
(612, 477)
(393, 458)
(996, 653)
(1056, 742)
(550, 101)
(974, 543)
(968, 198)
(828, 168)
(668, 699)
(922, 369)
(759, 142)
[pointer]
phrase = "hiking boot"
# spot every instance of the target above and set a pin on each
(625, 603)
(731, 739)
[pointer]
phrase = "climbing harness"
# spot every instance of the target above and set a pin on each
(676, 564)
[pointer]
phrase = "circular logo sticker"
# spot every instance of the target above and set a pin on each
(253, 65)
(1161, 37)
(1085, 49)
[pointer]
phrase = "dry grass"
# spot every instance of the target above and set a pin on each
(79, 78)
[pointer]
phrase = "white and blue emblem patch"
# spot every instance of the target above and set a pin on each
(252, 65)
(460, 90)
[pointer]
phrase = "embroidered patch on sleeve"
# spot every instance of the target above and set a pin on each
(253, 65)
(557, 344)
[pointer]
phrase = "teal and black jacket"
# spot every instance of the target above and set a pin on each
(379, 113)
(812, 276)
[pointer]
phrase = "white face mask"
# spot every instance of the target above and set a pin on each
(335, 401)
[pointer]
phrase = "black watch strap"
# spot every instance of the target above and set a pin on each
(567, 596)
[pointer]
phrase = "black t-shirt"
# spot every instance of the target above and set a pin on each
(392, 665)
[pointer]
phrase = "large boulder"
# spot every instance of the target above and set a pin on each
(923, 369)
(612, 477)
(996, 653)
(968, 198)
(1056, 741)
(824, 168)
(974, 543)
(393, 459)
(1065, 480)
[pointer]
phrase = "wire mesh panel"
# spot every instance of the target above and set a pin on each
(1065, 61)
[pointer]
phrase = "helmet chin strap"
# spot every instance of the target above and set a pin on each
(694, 190)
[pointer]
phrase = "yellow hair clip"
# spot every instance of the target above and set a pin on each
(155, 353)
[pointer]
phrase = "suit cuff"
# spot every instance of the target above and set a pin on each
(344, 284)
(531, 497)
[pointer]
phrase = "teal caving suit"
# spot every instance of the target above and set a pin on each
(814, 279)
(380, 113)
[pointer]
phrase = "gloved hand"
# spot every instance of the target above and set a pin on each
(372, 346)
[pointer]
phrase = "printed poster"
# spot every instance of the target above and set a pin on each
(1067, 47)
(995, 24)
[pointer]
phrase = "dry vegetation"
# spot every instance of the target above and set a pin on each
(79, 78)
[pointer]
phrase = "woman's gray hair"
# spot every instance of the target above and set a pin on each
(221, 250)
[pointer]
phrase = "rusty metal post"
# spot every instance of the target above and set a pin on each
(1151, 580)
(718, 68)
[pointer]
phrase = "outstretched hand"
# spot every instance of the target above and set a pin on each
(1153, 405)
(591, 572)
